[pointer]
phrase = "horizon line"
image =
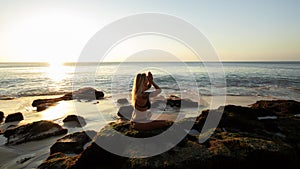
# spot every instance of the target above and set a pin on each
(239, 61)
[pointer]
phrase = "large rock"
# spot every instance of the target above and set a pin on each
(58, 160)
(72, 143)
(244, 119)
(1, 116)
(152, 126)
(175, 101)
(241, 140)
(279, 107)
(222, 150)
(108, 135)
(236, 118)
(289, 130)
(125, 112)
(14, 117)
(33, 131)
(86, 93)
(78, 121)
(45, 102)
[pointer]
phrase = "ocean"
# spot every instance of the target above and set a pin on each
(18, 80)
(279, 80)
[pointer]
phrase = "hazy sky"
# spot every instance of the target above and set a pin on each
(240, 30)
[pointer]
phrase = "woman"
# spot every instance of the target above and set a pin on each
(141, 98)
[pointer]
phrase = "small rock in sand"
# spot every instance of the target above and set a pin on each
(78, 121)
(14, 117)
(1, 116)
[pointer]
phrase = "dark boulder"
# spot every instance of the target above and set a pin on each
(236, 118)
(45, 102)
(289, 128)
(78, 120)
(86, 93)
(94, 156)
(109, 134)
(1, 116)
(279, 107)
(222, 150)
(175, 101)
(42, 104)
(72, 143)
(241, 140)
(125, 112)
(151, 126)
(14, 117)
(246, 120)
(33, 131)
(58, 160)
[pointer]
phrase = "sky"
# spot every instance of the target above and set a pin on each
(239, 30)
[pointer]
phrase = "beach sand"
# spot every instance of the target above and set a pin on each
(96, 114)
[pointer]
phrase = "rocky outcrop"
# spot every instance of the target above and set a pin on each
(58, 160)
(1, 116)
(241, 140)
(72, 143)
(279, 107)
(235, 118)
(14, 117)
(86, 93)
(243, 119)
(222, 150)
(33, 131)
(285, 127)
(77, 121)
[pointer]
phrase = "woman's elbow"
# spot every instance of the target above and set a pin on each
(158, 91)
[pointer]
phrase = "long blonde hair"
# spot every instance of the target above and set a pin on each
(138, 85)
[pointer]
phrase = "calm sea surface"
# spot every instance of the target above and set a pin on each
(274, 79)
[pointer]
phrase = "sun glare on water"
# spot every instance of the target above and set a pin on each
(56, 71)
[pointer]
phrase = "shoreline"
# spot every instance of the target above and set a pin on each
(106, 106)
(89, 110)
(23, 104)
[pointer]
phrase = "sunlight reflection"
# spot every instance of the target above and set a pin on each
(56, 71)
(56, 112)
